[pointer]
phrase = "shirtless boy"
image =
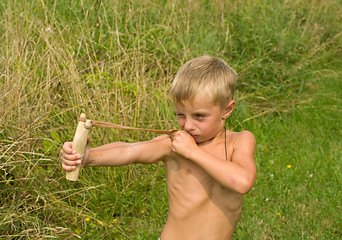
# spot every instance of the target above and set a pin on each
(208, 168)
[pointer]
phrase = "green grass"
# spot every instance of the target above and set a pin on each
(115, 60)
(304, 201)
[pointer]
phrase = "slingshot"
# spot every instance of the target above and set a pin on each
(80, 139)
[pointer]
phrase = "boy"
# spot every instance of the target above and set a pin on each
(208, 168)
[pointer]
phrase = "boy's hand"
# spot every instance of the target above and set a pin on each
(183, 143)
(70, 158)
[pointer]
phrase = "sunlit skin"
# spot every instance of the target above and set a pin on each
(205, 190)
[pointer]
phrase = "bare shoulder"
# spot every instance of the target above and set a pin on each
(153, 150)
(244, 139)
(243, 150)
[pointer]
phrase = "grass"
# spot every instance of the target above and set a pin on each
(115, 60)
(299, 174)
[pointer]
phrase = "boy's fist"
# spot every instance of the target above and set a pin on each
(183, 143)
(70, 158)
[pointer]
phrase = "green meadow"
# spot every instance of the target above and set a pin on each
(115, 60)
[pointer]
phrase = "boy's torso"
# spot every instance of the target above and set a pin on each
(199, 208)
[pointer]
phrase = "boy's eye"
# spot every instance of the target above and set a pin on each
(180, 115)
(199, 115)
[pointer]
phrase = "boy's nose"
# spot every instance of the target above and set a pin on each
(189, 125)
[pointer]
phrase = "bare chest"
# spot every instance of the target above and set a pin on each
(190, 186)
(194, 196)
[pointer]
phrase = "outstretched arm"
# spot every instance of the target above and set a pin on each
(119, 153)
(238, 174)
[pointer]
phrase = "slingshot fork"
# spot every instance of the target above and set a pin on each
(79, 144)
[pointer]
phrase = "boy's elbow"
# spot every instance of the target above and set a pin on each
(245, 185)
(244, 190)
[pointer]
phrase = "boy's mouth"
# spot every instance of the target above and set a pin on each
(194, 136)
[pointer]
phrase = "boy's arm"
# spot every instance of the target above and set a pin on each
(238, 174)
(119, 153)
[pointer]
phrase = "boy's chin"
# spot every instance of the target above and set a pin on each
(203, 139)
(199, 140)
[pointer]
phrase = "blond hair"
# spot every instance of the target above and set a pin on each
(204, 77)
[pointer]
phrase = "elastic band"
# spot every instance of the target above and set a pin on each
(95, 123)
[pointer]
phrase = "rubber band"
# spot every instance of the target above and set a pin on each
(96, 123)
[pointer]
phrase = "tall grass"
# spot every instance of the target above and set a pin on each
(114, 60)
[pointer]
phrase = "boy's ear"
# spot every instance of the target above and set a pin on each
(229, 109)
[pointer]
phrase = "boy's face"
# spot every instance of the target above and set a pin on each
(202, 119)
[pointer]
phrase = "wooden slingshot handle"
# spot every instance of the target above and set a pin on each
(79, 143)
